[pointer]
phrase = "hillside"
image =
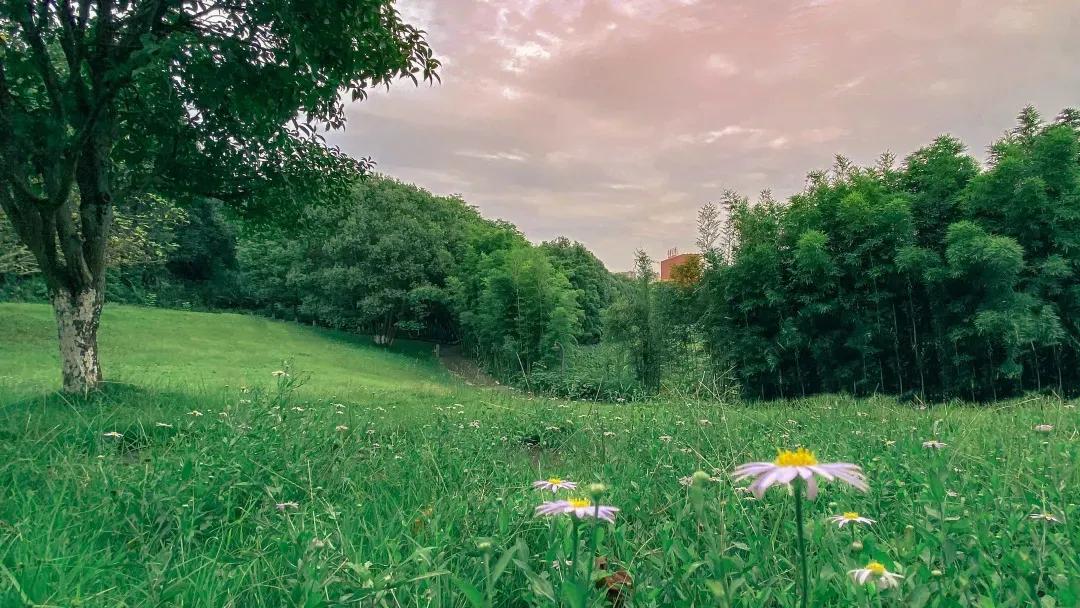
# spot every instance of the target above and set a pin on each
(168, 348)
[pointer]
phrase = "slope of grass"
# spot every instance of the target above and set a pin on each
(176, 349)
(383, 482)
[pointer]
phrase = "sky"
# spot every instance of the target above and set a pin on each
(612, 122)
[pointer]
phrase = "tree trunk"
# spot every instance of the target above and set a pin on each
(77, 318)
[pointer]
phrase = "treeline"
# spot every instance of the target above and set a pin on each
(389, 260)
(935, 276)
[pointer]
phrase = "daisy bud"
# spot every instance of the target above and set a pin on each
(700, 477)
(484, 545)
(856, 545)
(935, 572)
(597, 489)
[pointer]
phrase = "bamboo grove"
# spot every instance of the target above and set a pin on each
(937, 276)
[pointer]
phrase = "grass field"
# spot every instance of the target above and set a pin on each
(199, 479)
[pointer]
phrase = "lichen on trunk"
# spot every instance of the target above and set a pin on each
(78, 315)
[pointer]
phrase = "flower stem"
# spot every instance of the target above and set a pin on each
(574, 545)
(805, 596)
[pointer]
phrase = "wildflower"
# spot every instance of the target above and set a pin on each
(1046, 517)
(665, 438)
(475, 424)
(704, 422)
(279, 373)
(889, 443)
(113, 434)
(554, 484)
(800, 463)
(699, 477)
(341, 428)
(850, 517)
(297, 409)
(578, 507)
(195, 413)
(933, 444)
(164, 425)
(875, 572)
(1044, 428)
(609, 434)
(283, 506)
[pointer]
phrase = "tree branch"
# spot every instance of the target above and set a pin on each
(40, 56)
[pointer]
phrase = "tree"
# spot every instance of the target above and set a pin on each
(589, 277)
(100, 99)
(633, 322)
(710, 225)
(525, 313)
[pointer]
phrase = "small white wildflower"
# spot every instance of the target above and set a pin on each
(665, 438)
(1047, 517)
(554, 484)
(282, 506)
(876, 573)
(934, 444)
(1043, 428)
(578, 507)
(341, 428)
(195, 413)
(850, 517)
(279, 373)
(113, 434)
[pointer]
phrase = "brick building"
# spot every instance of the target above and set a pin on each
(673, 260)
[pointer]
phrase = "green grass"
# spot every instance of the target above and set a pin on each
(180, 350)
(424, 498)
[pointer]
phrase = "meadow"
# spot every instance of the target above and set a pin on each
(362, 476)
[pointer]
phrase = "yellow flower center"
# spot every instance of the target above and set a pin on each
(801, 457)
(580, 503)
(877, 568)
(554, 481)
(851, 515)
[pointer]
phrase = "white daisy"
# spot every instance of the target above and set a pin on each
(933, 444)
(876, 573)
(850, 517)
(1043, 428)
(801, 464)
(195, 413)
(283, 506)
(113, 434)
(279, 373)
(1047, 517)
(578, 507)
(554, 484)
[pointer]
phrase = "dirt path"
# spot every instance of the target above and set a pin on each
(457, 363)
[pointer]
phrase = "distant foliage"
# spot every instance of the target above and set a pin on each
(935, 278)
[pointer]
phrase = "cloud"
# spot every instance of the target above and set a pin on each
(510, 156)
(592, 118)
(721, 64)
